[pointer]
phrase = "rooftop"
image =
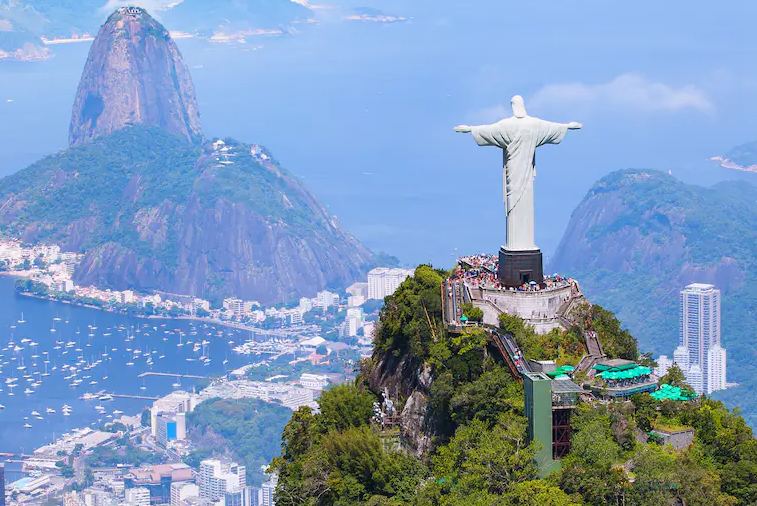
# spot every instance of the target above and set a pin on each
(699, 287)
(152, 474)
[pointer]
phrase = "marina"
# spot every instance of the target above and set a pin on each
(59, 363)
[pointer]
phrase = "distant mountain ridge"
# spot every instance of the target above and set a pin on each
(64, 19)
(207, 17)
(154, 206)
(639, 236)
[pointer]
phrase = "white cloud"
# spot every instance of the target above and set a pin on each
(632, 92)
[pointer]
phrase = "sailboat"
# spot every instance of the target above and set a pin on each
(22, 318)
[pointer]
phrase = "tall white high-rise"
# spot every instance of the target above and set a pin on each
(216, 478)
(699, 334)
(269, 489)
(716, 368)
(383, 281)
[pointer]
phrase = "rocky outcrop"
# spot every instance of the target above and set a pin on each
(134, 74)
(154, 207)
(409, 382)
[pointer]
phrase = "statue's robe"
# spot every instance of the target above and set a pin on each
(519, 138)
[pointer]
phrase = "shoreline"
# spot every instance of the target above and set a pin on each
(238, 326)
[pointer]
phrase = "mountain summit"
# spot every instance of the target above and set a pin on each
(151, 211)
(134, 74)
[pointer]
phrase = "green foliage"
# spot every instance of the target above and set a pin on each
(249, 428)
(411, 318)
(334, 458)
(675, 377)
(563, 347)
(127, 453)
(539, 493)
(489, 457)
(344, 406)
(145, 418)
(617, 342)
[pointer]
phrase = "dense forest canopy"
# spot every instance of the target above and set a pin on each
(480, 453)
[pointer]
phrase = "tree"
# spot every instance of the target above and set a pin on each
(538, 493)
(511, 324)
(616, 341)
(475, 314)
(299, 434)
(487, 457)
(675, 377)
(487, 397)
(146, 419)
(344, 406)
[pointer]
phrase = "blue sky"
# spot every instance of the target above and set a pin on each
(364, 113)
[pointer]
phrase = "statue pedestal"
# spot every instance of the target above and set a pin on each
(520, 267)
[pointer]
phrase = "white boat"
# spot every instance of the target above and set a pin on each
(50, 411)
(99, 408)
(27, 426)
(35, 413)
(28, 391)
(22, 319)
(106, 397)
(2, 407)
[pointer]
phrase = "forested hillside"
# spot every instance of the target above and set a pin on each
(462, 434)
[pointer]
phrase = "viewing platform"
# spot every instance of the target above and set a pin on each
(542, 304)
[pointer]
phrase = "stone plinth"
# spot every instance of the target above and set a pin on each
(517, 268)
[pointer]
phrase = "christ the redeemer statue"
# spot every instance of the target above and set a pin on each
(518, 136)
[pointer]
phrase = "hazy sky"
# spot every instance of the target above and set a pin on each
(364, 113)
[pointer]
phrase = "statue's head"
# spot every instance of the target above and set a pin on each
(519, 106)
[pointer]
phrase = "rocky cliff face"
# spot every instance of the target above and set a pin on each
(134, 75)
(405, 378)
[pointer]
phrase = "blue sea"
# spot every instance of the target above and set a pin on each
(56, 337)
